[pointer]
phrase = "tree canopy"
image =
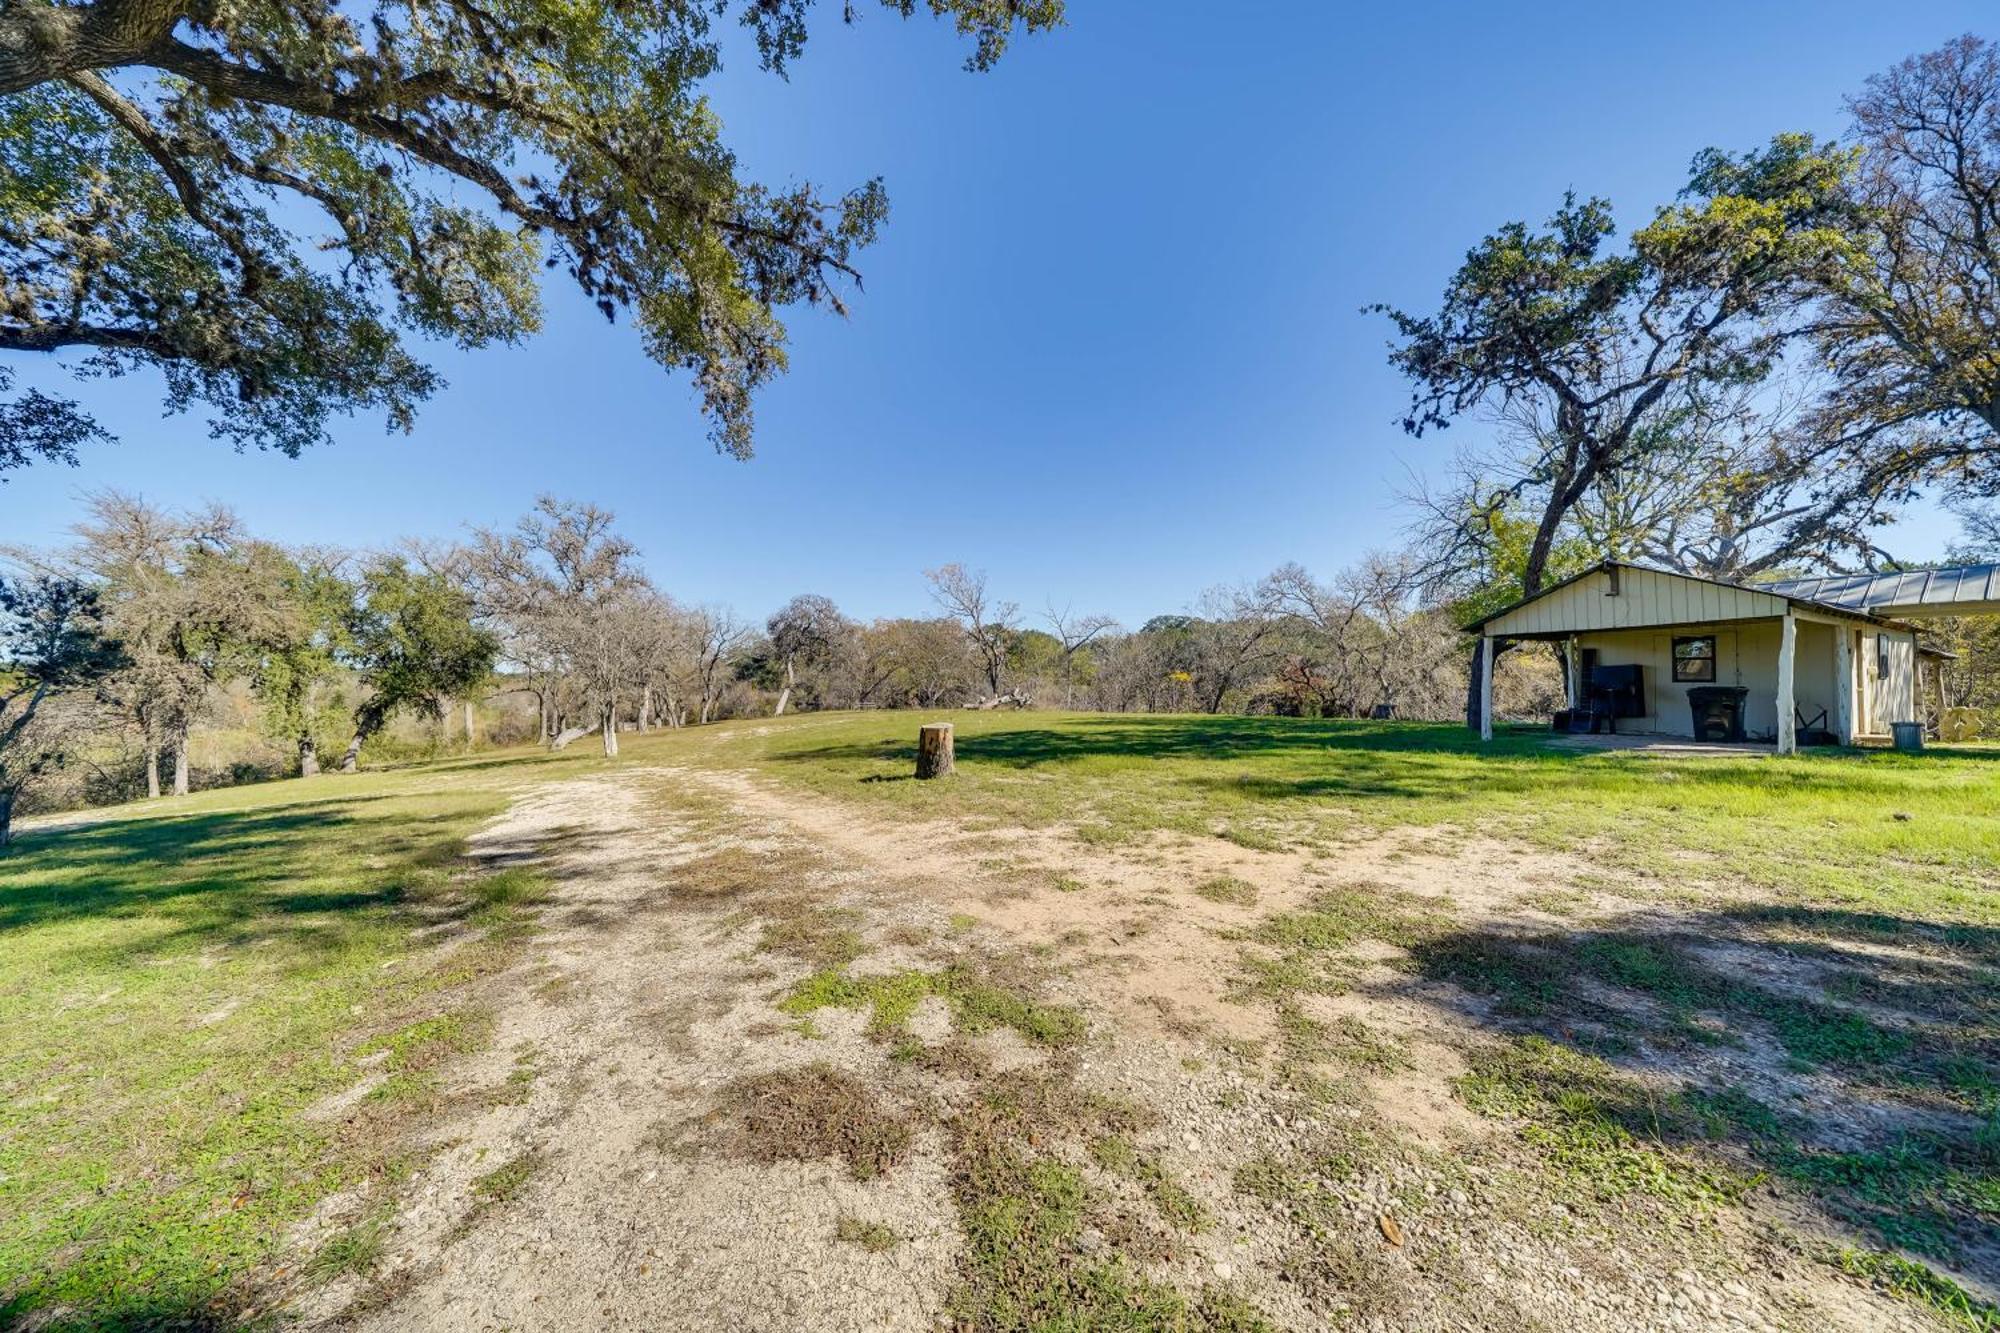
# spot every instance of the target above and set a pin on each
(266, 203)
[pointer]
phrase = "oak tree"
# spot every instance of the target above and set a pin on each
(266, 203)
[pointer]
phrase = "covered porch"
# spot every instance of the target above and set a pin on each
(1660, 655)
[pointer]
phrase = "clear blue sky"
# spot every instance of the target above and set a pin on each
(1111, 346)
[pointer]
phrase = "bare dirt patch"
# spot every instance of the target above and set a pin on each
(803, 1070)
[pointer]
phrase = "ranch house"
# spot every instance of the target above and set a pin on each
(1803, 661)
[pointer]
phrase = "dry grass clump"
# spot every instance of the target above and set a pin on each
(805, 1114)
(739, 870)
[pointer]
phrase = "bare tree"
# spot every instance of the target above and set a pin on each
(1074, 633)
(565, 584)
(1906, 327)
(989, 626)
(1235, 630)
(716, 636)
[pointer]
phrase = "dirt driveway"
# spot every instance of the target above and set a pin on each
(772, 1066)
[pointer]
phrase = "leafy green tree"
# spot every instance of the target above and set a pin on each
(52, 639)
(414, 642)
(261, 200)
(803, 632)
(299, 673)
(1594, 336)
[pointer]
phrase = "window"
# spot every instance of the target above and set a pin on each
(1882, 656)
(1694, 659)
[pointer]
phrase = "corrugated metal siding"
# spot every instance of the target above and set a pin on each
(1646, 597)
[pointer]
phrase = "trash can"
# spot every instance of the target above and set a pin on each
(1909, 735)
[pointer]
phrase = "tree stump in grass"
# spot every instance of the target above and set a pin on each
(934, 750)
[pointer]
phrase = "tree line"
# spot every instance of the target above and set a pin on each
(119, 644)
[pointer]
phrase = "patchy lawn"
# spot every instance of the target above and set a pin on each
(1137, 1021)
(1854, 827)
(180, 983)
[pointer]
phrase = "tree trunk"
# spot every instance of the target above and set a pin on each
(608, 724)
(934, 752)
(350, 759)
(308, 757)
(471, 733)
(568, 734)
(784, 695)
(6, 819)
(706, 703)
(152, 769)
(645, 709)
(181, 761)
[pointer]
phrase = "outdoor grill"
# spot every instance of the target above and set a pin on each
(1615, 692)
(1718, 712)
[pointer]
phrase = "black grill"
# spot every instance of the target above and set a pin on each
(1615, 692)
(1718, 712)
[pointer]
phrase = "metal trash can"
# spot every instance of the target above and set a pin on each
(1909, 735)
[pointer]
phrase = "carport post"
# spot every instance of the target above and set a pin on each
(1486, 687)
(1788, 723)
(1843, 684)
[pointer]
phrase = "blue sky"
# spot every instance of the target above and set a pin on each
(1111, 346)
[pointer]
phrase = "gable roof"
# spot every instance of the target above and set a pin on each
(1697, 600)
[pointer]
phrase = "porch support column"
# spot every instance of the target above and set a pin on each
(1788, 724)
(1486, 687)
(1916, 681)
(1843, 684)
(1575, 681)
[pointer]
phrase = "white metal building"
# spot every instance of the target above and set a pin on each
(1677, 655)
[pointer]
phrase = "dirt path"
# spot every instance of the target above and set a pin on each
(585, 1178)
(635, 1010)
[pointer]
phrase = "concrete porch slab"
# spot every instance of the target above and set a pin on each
(1665, 747)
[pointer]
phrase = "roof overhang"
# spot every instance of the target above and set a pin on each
(1828, 610)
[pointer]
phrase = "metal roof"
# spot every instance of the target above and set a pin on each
(1935, 590)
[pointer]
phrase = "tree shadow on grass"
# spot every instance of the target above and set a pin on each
(1846, 1056)
(1301, 759)
(243, 862)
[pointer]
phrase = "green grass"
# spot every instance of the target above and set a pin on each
(977, 1005)
(1228, 889)
(179, 982)
(1610, 1134)
(1821, 825)
(874, 1237)
(504, 1183)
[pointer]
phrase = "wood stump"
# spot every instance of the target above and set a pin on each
(934, 750)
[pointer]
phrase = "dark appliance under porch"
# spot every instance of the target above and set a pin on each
(1718, 712)
(1614, 692)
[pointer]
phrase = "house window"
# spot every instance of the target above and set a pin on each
(1694, 658)
(1882, 656)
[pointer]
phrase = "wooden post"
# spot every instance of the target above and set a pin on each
(1788, 723)
(1575, 681)
(934, 758)
(1916, 681)
(1843, 684)
(1486, 687)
